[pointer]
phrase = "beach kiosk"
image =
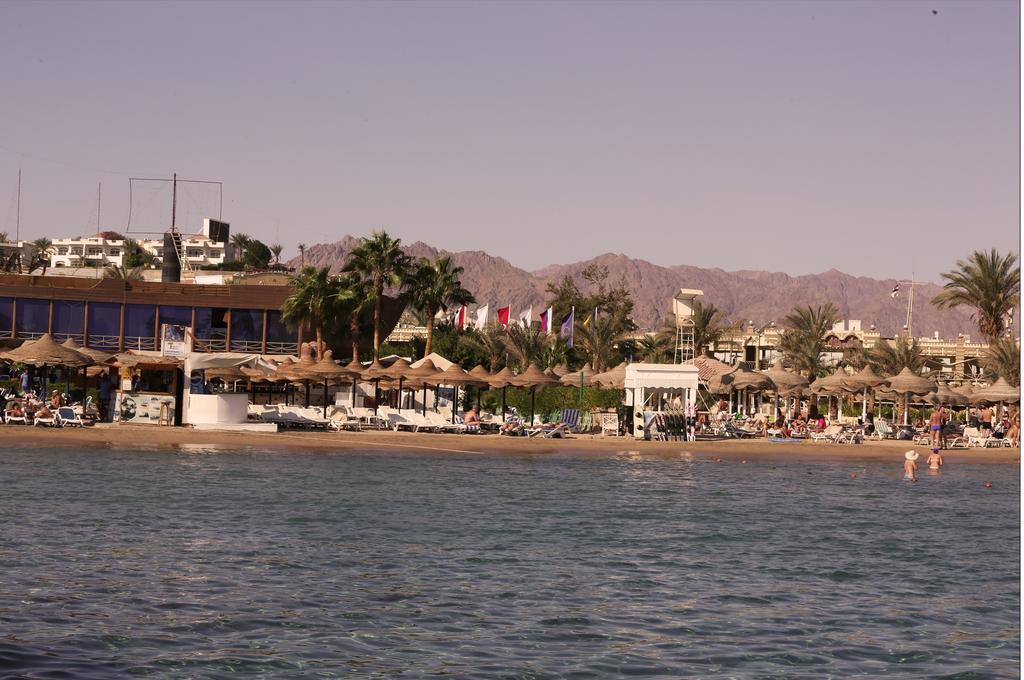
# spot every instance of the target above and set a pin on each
(650, 388)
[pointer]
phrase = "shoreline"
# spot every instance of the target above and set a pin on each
(147, 436)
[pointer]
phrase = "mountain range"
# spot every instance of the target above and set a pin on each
(758, 296)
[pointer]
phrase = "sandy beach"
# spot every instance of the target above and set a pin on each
(126, 436)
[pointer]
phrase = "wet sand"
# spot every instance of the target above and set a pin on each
(127, 436)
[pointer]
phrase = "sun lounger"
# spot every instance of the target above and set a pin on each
(609, 424)
(976, 438)
(342, 419)
(571, 417)
(556, 432)
(829, 434)
(66, 417)
(849, 437)
(48, 422)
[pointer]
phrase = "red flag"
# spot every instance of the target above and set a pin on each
(460, 317)
(503, 315)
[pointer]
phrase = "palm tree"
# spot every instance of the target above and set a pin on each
(708, 326)
(241, 243)
(889, 358)
(40, 257)
(490, 341)
(525, 345)
(803, 341)
(1002, 360)
(352, 299)
(598, 339)
(275, 250)
(434, 286)
(302, 255)
(380, 262)
(988, 282)
(314, 292)
(4, 237)
(123, 273)
(659, 347)
(134, 255)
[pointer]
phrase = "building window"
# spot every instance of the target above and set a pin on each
(68, 317)
(115, 252)
(33, 316)
(92, 251)
(76, 250)
(194, 252)
(62, 250)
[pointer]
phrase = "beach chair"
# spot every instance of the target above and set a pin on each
(658, 428)
(66, 417)
(829, 434)
(571, 417)
(730, 430)
(48, 422)
(609, 423)
(851, 436)
(975, 437)
(556, 432)
(342, 419)
(398, 421)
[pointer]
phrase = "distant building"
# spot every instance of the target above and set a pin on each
(107, 249)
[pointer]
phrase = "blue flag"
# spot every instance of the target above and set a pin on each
(567, 327)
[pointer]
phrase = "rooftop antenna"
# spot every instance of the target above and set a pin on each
(99, 203)
(17, 222)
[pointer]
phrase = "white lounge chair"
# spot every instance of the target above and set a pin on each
(48, 422)
(610, 424)
(829, 434)
(556, 432)
(66, 417)
(976, 438)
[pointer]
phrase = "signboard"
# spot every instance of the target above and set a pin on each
(143, 408)
(174, 341)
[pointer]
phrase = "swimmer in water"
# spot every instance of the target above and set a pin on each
(910, 466)
(934, 461)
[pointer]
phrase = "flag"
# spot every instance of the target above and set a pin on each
(526, 318)
(895, 292)
(460, 317)
(590, 317)
(567, 327)
(481, 317)
(503, 313)
(545, 321)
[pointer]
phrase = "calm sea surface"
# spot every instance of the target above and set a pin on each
(214, 563)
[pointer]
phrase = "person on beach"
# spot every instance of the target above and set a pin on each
(691, 421)
(55, 400)
(986, 418)
(935, 425)
(104, 390)
(472, 416)
(910, 466)
(14, 409)
(934, 461)
(24, 382)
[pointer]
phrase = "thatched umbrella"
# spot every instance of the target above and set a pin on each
(326, 369)
(906, 382)
(561, 369)
(581, 378)
(376, 372)
(398, 371)
(998, 392)
(534, 378)
(865, 379)
(457, 377)
(785, 382)
(424, 374)
(614, 378)
(257, 375)
(47, 352)
(96, 355)
(298, 370)
(482, 374)
(502, 379)
(944, 394)
(833, 385)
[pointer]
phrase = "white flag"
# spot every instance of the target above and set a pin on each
(481, 317)
(526, 318)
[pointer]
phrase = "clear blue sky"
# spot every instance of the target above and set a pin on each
(874, 137)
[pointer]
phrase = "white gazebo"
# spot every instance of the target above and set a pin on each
(649, 386)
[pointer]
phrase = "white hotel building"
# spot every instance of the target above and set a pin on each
(97, 251)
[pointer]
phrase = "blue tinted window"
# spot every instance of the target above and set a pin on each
(6, 315)
(278, 330)
(104, 320)
(33, 316)
(247, 325)
(139, 321)
(176, 316)
(68, 317)
(211, 323)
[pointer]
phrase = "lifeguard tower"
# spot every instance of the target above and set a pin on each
(682, 308)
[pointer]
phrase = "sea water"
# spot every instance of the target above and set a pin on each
(216, 563)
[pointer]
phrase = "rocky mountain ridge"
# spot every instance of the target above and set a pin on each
(760, 296)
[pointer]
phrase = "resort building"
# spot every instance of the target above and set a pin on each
(107, 249)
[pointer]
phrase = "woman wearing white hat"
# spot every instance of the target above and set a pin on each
(910, 466)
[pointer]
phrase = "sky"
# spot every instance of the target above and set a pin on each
(878, 138)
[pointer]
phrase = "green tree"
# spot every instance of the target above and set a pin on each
(41, 249)
(598, 338)
(240, 242)
(490, 342)
(133, 255)
(1002, 360)
(433, 286)
(380, 262)
(352, 298)
(659, 347)
(803, 340)
(709, 323)
(314, 292)
(988, 282)
(887, 358)
(525, 345)
(257, 254)
(275, 250)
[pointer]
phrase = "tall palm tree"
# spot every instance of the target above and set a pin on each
(312, 301)
(134, 255)
(887, 358)
(123, 273)
(490, 341)
(241, 243)
(803, 339)
(988, 282)
(1002, 360)
(352, 299)
(275, 250)
(659, 347)
(434, 286)
(709, 324)
(380, 262)
(525, 345)
(302, 255)
(4, 237)
(41, 249)
(598, 339)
